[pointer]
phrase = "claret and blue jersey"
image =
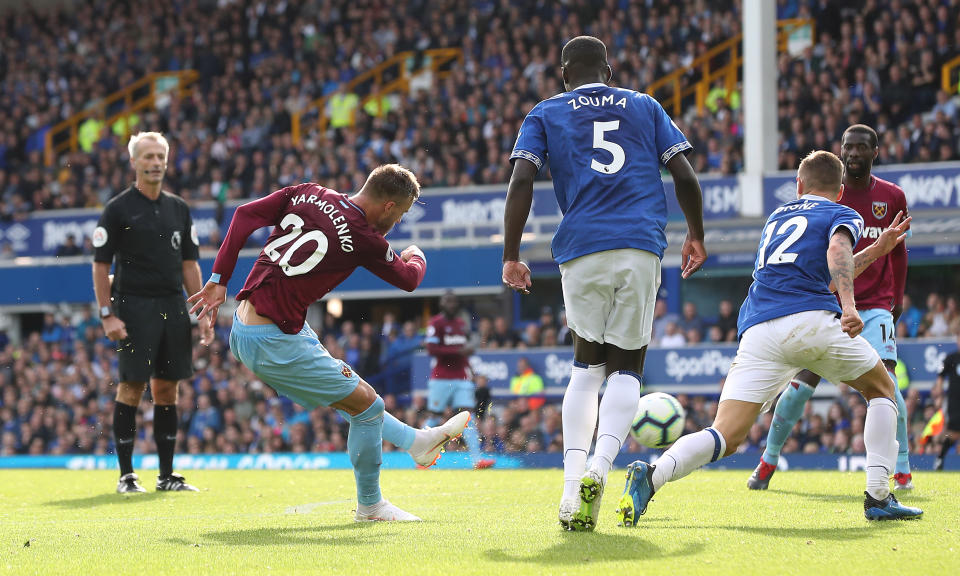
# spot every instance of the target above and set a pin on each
(606, 146)
(791, 273)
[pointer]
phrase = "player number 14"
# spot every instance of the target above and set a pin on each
(296, 222)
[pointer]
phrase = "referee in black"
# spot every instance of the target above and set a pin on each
(951, 374)
(150, 235)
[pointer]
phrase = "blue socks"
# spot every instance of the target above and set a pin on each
(903, 454)
(364, 443)
(789, 410)
(398, 433)
(394, 431)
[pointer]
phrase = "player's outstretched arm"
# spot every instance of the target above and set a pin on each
(405, 272)
(208, 300)
(884, 244)
(693, 254)
(840, 263)
(193, 282)
(516, 274)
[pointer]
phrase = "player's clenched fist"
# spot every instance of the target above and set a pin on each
(412, 251)
(850, 322)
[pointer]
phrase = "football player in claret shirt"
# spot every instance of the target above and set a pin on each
(320, 238)
(879, 294)
(789, 321)
(451, 384)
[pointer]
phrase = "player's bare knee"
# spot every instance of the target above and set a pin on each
(808, 378)
(362, 397)
(130, 393)
(164, 392)
(876, 383)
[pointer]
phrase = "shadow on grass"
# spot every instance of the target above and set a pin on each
(588, 547)
(848, 532)
(108, 499)
(287, 536)
(851, 498)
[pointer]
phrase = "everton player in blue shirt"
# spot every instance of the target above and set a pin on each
(790, 321)
(606, 146)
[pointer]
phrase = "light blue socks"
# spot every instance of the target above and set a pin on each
(903, 454)
(398, 433)
(394, 431)
(364, 443)
(789, 410)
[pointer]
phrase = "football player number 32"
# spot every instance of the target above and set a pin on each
(615, 150)
(780, 254)
(299, 239)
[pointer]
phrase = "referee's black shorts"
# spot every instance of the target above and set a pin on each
(953, 409)
(158, 338)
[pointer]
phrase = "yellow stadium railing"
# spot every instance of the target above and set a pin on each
(138, 96)
(709, 73)
(398, 67)
(949, 85)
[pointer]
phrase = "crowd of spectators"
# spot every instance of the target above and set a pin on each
(874, 62)
(260, 63)
(940, 318)
(57, 390)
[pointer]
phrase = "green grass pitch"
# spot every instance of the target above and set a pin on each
(485, 522)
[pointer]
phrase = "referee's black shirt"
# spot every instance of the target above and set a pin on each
(150, 240)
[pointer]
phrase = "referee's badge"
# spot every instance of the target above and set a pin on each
(879, 209)
(175, 240)
(99, 237)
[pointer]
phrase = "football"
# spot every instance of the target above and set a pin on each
(659, 420)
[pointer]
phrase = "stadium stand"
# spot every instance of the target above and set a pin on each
(57, 392)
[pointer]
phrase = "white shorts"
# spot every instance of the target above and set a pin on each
(609, 296)
(773, 352)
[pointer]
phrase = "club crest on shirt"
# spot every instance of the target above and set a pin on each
(345, 370)
(879, 209)
(175, 240)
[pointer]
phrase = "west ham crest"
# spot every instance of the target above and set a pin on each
(345, 370)
(879, 209)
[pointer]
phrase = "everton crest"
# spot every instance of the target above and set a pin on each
(879, 209)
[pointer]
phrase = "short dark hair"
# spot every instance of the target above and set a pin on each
(821, 171)
(864, 129)
(584, 53)
(393, 181)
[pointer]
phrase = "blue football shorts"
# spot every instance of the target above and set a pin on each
(880, 332)
(450, 393)
(295, 365)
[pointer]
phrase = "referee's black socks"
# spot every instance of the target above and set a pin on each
(165, 435)
(124, 434)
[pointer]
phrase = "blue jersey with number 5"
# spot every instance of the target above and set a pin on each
(605, 146)
(791, 273)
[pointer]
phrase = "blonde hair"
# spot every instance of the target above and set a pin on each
(393, 181)
(155, 136)
(821, 171)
